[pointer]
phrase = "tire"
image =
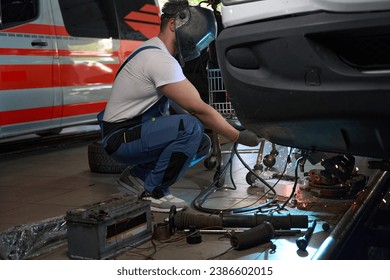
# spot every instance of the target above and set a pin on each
(100, 162)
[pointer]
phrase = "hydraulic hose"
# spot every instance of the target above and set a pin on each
(183, 220)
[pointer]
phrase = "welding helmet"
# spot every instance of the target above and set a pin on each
(196, 28)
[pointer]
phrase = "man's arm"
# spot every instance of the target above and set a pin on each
(187, 96)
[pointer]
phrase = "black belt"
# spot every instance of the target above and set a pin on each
(120, 137)
(109, 128)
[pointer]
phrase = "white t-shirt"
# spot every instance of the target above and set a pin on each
(136, 87)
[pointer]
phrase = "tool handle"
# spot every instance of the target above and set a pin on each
(302, 242)
(255, 236)
(310, 230)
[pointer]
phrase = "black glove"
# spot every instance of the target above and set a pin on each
(248, 138)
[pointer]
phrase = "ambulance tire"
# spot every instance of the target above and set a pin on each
(100, 162)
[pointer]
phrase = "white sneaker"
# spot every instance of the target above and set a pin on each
(164, 203)
(131, 183)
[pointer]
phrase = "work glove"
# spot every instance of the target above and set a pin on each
(248, 138)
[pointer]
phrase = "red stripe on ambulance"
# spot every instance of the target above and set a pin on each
(37, 76)
(46, 113)
(148, 8)
(143, 17)
(25, 76)
(83, 109)
(46, 52)
(42, 29)
(86, 74)
(27, 52)
(146, 20)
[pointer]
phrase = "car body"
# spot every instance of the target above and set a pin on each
(310, 74)
(58, 59)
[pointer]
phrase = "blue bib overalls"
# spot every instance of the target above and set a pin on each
(160, 147)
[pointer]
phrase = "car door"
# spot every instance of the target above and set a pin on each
(27, 48)
(94, 38)
(87, 56)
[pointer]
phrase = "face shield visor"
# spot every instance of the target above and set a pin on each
(196, 28)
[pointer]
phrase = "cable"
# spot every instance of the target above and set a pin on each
(221, 254)
(213, 187)
(295, 181)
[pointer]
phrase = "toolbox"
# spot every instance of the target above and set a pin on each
(103, 230)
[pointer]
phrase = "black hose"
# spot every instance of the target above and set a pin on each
(255, 236)
(183, 220)
(201, 198)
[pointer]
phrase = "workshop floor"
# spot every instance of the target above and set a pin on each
(45, 184)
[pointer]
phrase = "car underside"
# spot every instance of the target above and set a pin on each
(318, 81)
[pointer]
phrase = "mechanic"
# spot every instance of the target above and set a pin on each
(137, 128)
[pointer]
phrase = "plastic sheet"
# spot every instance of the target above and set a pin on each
(30, 240)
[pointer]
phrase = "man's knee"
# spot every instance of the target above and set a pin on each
(192, 125)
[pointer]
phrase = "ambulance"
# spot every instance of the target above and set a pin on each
(58, 58)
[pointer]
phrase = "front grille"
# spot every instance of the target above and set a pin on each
(363, 49)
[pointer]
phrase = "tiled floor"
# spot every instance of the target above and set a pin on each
(45, 184)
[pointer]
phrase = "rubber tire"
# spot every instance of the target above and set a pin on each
(100, 162)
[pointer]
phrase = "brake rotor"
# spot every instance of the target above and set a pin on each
(342, 190)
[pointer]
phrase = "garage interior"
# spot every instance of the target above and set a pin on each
(268, 202)
(41, 188)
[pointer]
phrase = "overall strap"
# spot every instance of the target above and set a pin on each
(134, 54)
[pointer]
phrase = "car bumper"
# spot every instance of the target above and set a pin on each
(315, 81)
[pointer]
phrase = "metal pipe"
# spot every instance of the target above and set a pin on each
(351, 217)
(278, 232)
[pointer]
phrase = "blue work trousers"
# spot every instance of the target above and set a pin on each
(167, 147)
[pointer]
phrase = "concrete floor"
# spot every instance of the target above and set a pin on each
(41, 186)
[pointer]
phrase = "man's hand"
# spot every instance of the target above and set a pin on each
(248, 138)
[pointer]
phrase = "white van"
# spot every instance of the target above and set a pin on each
(58, 58)
(310, 74)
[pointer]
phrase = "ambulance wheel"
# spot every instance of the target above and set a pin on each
(100, 162)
